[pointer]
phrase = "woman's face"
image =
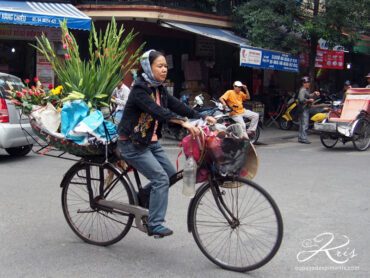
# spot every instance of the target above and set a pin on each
(159, 68)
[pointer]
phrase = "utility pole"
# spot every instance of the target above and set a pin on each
(314, 39)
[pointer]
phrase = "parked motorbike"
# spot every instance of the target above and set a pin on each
(222, 115)
(290, 117)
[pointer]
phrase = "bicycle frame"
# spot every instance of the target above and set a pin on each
(141, 213)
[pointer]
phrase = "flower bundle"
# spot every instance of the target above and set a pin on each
(94, 80)
(28, 97)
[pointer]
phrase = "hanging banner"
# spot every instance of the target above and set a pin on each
(265, 59)
(329, 59)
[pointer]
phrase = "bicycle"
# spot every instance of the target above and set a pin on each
(235, 222)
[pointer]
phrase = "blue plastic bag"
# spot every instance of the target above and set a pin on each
(78, 125)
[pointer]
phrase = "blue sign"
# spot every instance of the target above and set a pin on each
(43, 14)
(265, 59)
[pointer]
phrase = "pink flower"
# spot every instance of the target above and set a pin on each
(65, 46)
(67, 56)
(35, 79)
(68, 37)
(27, 81)
(19, 94)
(51, 86)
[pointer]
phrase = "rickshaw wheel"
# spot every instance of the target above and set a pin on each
(361, 135)
(329, 140)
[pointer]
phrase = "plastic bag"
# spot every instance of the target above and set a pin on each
(84, 128)
(47, 117)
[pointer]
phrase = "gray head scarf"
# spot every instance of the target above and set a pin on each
(148, 74)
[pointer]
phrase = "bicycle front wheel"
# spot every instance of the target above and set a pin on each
(91, 224)
(253, 237)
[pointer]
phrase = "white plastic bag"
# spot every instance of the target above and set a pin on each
(47, 117)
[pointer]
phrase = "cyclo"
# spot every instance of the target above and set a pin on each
(235, 222)
(351, 125)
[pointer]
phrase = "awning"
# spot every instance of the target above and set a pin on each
(214, 33)
(249, 56)
(43, 14)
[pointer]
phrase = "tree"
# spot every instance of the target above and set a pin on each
(296, 26)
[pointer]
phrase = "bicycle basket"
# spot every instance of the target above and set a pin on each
(228, 154)
(69, 146)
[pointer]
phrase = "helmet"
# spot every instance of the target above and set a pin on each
(347, 83)
(305, 79)
(199, 100)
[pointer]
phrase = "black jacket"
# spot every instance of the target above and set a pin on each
(141, 112)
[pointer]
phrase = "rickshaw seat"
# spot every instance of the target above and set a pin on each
(356, 100)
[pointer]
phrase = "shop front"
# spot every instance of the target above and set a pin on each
(21, 23)
(274, 75)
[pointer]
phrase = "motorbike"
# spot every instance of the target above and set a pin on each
(222, 115)
(290, 117)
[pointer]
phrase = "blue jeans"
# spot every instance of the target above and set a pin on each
(304, 118)
(153, 163)
(117, 115)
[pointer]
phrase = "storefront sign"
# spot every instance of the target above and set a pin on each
(260, 58)
(329, 59)
(28, 32)
(205, 47)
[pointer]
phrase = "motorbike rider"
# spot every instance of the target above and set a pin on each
(368, 80)
(305, 100)
(346, 86)
(234, 99)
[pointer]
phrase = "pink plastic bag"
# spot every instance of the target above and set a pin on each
(194, 147)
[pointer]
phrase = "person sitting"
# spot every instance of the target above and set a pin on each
(234, 99)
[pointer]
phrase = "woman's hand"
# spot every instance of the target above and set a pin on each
(210, 120)
(194, 130)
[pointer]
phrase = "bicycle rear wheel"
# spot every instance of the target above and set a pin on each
(251, 240)
(93, 225)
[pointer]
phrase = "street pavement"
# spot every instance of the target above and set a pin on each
(323, 196)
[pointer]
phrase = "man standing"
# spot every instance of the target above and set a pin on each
(305, 100)
(119, 97)
(234, 99)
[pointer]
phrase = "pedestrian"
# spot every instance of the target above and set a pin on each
(305, 100)
(119, 97)
(346, 86)
(148, 106)
(234, 100)
(368, 80)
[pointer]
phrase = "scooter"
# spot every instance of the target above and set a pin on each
(290, 117)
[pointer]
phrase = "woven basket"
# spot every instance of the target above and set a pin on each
(69, 146)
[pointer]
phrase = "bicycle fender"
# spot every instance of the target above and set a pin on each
(66, 175)
(191, 206)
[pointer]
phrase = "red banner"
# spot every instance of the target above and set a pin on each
(329, 59)
(325, 59)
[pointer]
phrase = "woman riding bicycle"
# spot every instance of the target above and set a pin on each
(148, 106)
